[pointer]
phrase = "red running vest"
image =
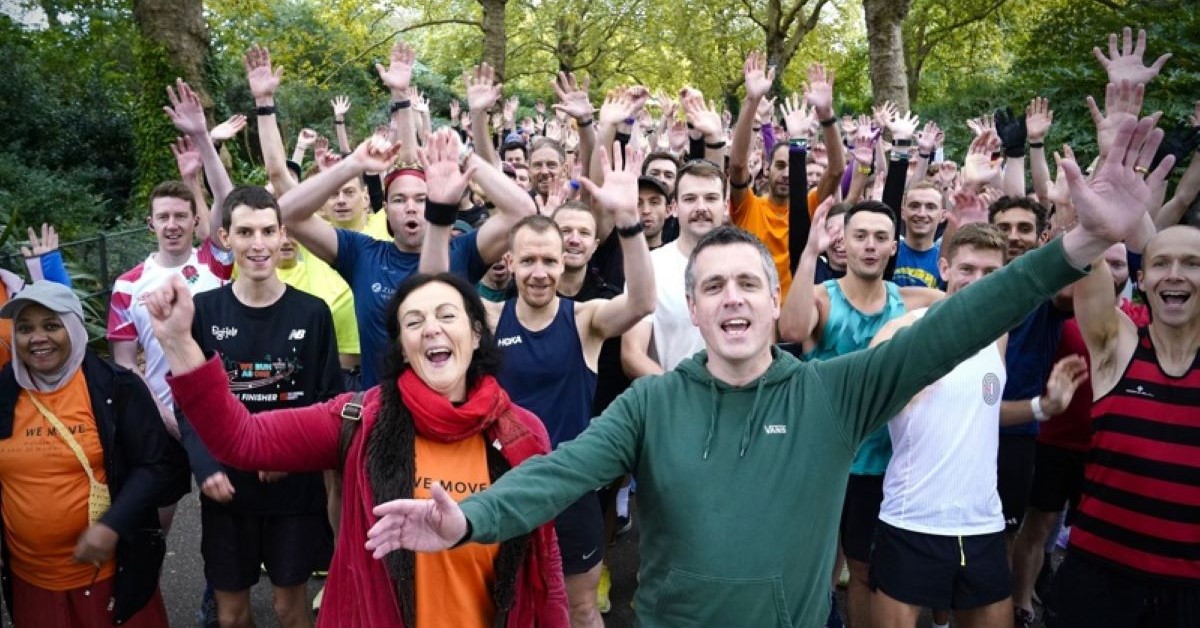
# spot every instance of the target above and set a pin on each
(1140, 507)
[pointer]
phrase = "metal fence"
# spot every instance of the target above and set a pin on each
(94, 263)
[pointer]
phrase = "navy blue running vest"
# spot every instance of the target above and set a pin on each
(544, 371)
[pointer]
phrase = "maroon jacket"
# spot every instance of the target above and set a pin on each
(359, 591)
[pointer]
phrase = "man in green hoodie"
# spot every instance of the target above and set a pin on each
(742, 452)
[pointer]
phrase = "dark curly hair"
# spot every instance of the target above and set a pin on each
(485, 361)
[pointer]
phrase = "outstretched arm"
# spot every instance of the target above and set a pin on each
(299, 206)
(187, 114)
(800, 317)
(618, 197)
(446, 187)
(758, 79)
(482, 94)
(397, 78)
(1038, 118)
(264, 82)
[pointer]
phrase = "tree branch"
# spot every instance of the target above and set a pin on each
(938, 33)
(389, 37)
(750, 14)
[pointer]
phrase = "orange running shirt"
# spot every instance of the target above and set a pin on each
(454, 587)
(769, 222)
(45, 505)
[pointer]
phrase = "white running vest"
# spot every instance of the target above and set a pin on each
(942, 477)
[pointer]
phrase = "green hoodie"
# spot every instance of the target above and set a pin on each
(739, 487)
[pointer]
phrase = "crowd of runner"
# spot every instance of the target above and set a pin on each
(439, 366)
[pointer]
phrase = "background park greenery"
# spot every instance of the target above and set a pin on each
(82, 82)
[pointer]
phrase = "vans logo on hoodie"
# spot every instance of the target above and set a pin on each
(775, 429)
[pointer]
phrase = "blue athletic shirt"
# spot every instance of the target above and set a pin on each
(1030, 357)
(918, 268)
(544, 371)
(847, 330)
(374, 268)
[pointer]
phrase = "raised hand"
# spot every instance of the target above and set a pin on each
(187, 157)
(171, 311)
(228, 129)
(764, 112)
(677, 136)
(263, 79)
(619, 194)
(559, 194)
(758, 76)
(1012, 132)
(48, 243)
(375, 154)
(819, 237)
(306, 138)
(702, 117)
(903, 126)
(455, 110)
(883, 113)
(510, 112)
(572, 97)
(482, 89)
(185, 111)
(818, 90)
(947, 174)
(798, 117)
(1122, 103)
(979, 169)
(927, 139)
(864, 145)
(1112, 204)
(422, 525)
(1065, 378)
(397, 76)
(1125, 63)
(1038, 118)
(439, 158)
(968, 208)
(981, 125)
(419, 103)
(341, 106)
(849, 125)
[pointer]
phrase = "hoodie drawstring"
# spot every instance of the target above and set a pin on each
(748, 433)
(712, 417)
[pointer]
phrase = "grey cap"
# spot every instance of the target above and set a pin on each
(52, 296)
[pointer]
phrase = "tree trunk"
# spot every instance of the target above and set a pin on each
(172, 42)
(889, 80)
(495, 35)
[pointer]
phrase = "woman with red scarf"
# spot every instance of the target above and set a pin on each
(438, 418)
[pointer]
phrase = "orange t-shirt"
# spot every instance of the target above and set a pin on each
(45, 505)
(454, 587)
(769, 222)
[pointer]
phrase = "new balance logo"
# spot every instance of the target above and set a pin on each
(297, 334)
(775, 429)
(508, 342)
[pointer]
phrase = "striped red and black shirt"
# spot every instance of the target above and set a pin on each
(1140, 507)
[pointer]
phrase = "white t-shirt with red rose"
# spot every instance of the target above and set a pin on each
(208, 267)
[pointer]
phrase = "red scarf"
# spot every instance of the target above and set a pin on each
(436, 418)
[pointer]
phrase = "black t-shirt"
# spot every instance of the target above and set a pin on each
(280, 356)
(608, 262)
(825, 272)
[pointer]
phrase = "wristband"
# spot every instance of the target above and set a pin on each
(1014, 152)
(632, 230)
(720, 144)
(862, 169)
(741, 186)
(585, 123)
(1035, 405)
(1037, 144)
(267, 110)
(756, 129)
(630, 121)
(903, 142)
(397, 105)
(798, 144)
(440, 214)
(339, 122)
(925, 156)
(830, 121)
